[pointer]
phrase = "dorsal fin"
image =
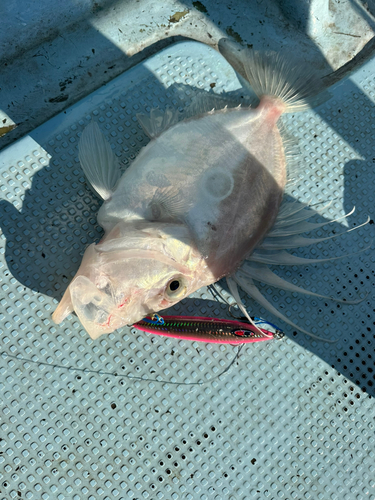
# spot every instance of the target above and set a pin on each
(207, 102)
(203, 102)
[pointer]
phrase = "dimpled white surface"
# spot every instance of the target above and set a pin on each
(133, 416)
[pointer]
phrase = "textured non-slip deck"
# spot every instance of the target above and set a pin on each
(134, 416)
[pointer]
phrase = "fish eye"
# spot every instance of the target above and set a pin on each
(176, 288)
(174, 285)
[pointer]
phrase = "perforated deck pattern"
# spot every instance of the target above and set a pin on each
(132, 416)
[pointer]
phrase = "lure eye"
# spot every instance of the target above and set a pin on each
(176, 288)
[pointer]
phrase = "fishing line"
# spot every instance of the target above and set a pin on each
(214, 291)
(256, 321)
(130, 377)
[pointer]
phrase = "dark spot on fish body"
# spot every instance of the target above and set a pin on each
(253, 461)
(249, 179)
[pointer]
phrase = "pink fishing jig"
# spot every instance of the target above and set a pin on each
(220, 331)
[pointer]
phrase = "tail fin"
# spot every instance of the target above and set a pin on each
(272, 74)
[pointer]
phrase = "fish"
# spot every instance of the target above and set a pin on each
(198, 200)
(210, 330)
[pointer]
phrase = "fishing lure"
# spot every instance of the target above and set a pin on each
(219, 331)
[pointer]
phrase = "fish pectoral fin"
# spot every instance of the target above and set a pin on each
(168, 204)
(98, 161)
(158, 121)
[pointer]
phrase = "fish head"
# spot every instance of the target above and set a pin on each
(137, 269)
